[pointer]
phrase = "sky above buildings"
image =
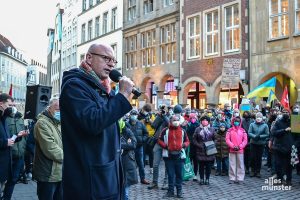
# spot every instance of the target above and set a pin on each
(25, 24)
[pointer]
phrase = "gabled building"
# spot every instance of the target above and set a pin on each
(12, 70)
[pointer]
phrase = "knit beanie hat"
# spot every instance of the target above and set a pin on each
(177, 109)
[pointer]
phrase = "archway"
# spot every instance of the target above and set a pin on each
(283, 80)
(195, 94)
(233, 96)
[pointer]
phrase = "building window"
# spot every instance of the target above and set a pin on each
(148, 48)
(232, 28)
(193, 42)
(97, 26)
(168, 43)
(114, 19)
(279, 19)
(148, 6)
(105, 23)
(130, 52)
(168, 2)
(114, 47)
(297, 16)
(83, 33)
(81, 57)
(83, 5)
(90, 29)
(90, 3)
(131, 9)
(211, 33)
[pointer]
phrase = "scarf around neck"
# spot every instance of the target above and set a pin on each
(84, 66)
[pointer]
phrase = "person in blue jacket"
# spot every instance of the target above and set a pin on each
(90, 133)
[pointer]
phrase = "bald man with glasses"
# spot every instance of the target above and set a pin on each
(91, 139)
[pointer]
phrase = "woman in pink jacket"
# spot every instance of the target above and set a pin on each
(236, 139)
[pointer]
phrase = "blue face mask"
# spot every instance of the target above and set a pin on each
(57, 115)
(236, 123)
(133, 117)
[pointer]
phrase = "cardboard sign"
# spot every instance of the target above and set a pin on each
(295, 123)
(231, 73)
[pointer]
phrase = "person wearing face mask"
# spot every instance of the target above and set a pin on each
(6, 142)
(191, 127)
(173, 140)
(48, 156)
(258, 133)
(236, 139)
(247, 120)
(204, 133)
(141, 134)
(296, 136)
(16, 125)
(222, 148)
(227, 111)
(282, 146)
(220, 118)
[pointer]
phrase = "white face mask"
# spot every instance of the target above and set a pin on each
(259, 119)
(236, 114)
(279, 116)
(296, 110)
(14, 110)
(176, 123)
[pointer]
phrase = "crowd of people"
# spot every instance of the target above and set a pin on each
(91, 144)
(242, 140)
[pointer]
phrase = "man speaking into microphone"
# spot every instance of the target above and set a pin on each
(89, 115)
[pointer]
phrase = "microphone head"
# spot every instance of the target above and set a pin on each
(115, 75)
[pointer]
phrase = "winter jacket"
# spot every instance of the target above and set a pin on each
(91, 137)
(173, 139)
(245, 125)
(30, 144)
(128, 157)
(236, 136)
(202, 135)
(282, 139)
(140, 132)
(221, 145)
(15, 125)
(48, 157)
(5, 151)
(260, 129)
(190, 130)
(216, 123)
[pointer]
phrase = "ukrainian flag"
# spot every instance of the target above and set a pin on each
(264, 89)
(272, 97)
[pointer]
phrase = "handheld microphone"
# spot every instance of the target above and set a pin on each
(115, 76)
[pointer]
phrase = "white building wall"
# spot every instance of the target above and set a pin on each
(112, 37)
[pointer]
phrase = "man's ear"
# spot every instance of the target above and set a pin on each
(88, 59)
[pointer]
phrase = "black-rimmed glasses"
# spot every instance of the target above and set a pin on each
(106, 58)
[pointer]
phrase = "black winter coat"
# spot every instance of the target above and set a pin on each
(282, 139)
(5, 151)
(91, 138)
(140, 132)
(128, 157)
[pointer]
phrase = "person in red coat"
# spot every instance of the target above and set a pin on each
(173, 140)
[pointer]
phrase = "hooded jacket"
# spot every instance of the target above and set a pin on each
(260, 129)
(91, 138)
(236, 136)
(48, 158)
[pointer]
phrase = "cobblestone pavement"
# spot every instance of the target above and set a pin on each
(218, 189)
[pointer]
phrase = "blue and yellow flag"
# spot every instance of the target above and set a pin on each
(271, 97)
(264, 89)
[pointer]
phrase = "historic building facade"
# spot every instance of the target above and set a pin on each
(212, 31)
(275, 45)
(151, 49)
